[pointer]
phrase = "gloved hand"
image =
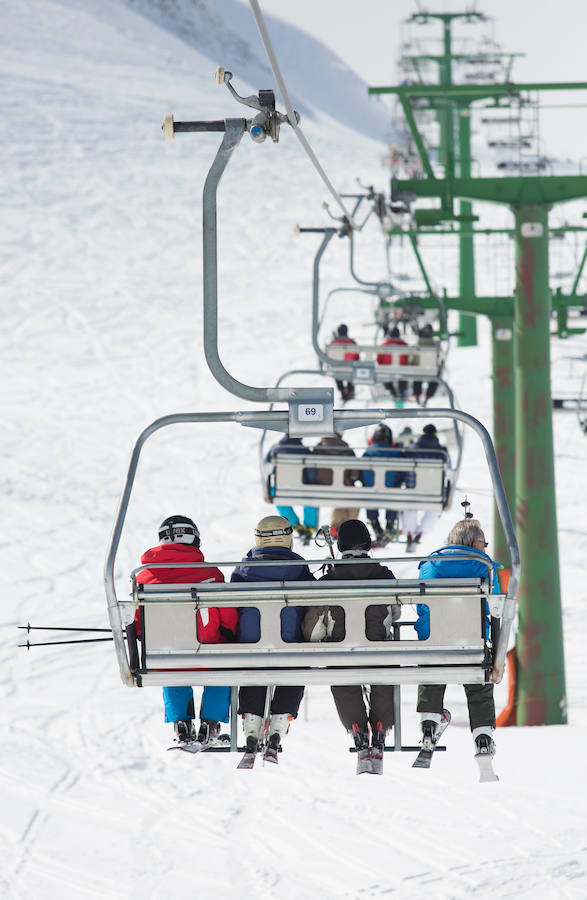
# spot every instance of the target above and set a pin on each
(226, 633)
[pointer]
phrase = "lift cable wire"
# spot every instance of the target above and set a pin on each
(292, 118)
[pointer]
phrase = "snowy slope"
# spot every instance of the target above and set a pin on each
(101, 262)
(225, 30)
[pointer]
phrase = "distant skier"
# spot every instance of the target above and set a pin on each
(273, 541)
(425, 339)
(305, 530)
(393, 338)
(346, 388)
(327, 624)
(180, 543)
(466, 537)
(382, 446)
(415, 524)
(335, 445)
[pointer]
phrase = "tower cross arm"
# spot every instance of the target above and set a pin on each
(476, 91)
(513, 191)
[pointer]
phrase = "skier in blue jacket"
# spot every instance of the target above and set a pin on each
(381, 446)
(305, 529)
(466, 537)
(273, 541)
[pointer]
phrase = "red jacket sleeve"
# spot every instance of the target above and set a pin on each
(229, 618)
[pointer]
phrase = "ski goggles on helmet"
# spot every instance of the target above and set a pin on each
(273, 531)
(182, 534)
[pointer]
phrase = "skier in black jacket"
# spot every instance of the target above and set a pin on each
(358, 706)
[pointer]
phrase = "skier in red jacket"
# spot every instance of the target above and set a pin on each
(346, 388)
(180, 543)
(393, 337)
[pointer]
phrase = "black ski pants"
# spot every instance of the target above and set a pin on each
(286, 699)
(351, 706)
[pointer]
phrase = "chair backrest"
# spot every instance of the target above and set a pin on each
(455, 652)
(422, 359)
(411, 481)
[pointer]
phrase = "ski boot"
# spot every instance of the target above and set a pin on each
(484, 743)
(429, 726)
(428, 733)
(391, 532)
(253, 730)
(361, 739)
(208, 731)
(484, 753)
(278, 728)
(304, 532)
(380, 536)
(184, 730)
(377, 749)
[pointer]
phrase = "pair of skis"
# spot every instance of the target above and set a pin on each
(370, 761)
(483, 760)
(222, 742)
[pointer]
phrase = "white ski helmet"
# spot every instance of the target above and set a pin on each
(179, 530)
(274, 531)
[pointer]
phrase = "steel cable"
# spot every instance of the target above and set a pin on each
(260, 22)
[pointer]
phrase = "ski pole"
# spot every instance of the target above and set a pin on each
(28, 644)
(28, 627)
(325, 532)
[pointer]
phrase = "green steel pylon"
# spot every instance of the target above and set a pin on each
(541, 678)
(467, 331)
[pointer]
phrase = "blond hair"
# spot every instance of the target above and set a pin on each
(466, 532)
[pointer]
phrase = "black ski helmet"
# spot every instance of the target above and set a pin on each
(342, 331)
(383, 435)
(179, 530)
(353, 535)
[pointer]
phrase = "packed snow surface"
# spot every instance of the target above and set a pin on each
(101, 262)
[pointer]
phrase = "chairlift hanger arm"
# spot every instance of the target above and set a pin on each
(361, 281)
(233, 132)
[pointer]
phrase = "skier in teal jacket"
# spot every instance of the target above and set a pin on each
(466, 537)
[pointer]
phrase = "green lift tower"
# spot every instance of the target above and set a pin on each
(521, 371)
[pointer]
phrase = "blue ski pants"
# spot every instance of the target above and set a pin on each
(310, 515)
(179, 704)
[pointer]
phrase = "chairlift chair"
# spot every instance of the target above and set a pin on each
(170, 654)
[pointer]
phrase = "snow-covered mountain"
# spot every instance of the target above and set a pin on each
(224, 30)
(101, 269)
